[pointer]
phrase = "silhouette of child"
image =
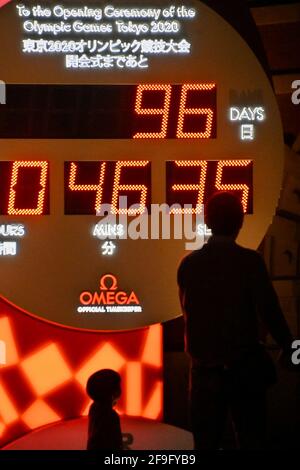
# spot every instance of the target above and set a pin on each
(104, 431)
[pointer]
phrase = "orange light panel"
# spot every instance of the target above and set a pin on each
(154, 405)
(107, 357)
(46, 370)
(86, 408)
(39, 414)
(12, 210)
(2, 428)
(152, 353)
(8, 412)
(7, 336)
(35, 390)
(183, 111)
(133, 388)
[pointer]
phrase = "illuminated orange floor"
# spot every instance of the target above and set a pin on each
(47, 366)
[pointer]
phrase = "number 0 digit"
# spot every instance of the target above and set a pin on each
(12, 210)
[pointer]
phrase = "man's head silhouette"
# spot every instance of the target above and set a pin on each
(224, 214)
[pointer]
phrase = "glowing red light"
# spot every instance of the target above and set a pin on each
(128, 187)
(233, 187)
(183, 111)
(98, 188)
(192, 183)
(15, 177)
(202, 164)
(154, 111)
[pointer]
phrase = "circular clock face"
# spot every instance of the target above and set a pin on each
(157, 105)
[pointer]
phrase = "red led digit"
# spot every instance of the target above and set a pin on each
(141, 89)
(98, 188)
(128, 187)
(183, 111)
(202, 164)
(15, 178)
(233, 187)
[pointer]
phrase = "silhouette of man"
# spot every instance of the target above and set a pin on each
(225, 294)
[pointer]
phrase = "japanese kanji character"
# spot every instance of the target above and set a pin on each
(29, 45)
(147, 46)
(8, 249)
(247, 132)
(108, 248)
(170, 47)
(159, 46)
(84, 62)
(72, 61)
(41, 46)
(96, 62)
(184, 47)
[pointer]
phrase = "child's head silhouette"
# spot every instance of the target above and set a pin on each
(104, 386)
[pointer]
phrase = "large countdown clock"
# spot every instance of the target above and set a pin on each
(163, 104)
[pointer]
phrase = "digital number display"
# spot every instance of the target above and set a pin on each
(24, 188)
(194, 182)
(24, 185)
(88, 185)
(185, 111)
(144, 111)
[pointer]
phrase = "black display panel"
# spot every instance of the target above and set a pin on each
(24, 188)
(149, 111)
(90, 185)
(194, 182)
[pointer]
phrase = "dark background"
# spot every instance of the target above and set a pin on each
(274, 36)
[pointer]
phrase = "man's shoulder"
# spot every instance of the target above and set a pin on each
(194, 255)
(188, 259)
(185, 266)
(246, 254)
(249, 254)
